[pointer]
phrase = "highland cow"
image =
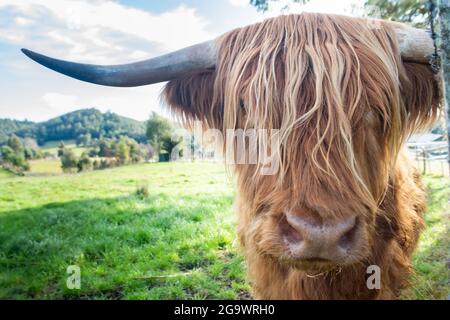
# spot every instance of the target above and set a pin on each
(344, 94)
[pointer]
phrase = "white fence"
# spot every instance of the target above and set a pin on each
(430, 157)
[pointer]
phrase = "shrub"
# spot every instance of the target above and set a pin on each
(85, 163)
(14, 160)
(93, 153)
(123, 152)
(96, 165)
(143, 191)
(61, 149)
(107, 163)
(69, 161)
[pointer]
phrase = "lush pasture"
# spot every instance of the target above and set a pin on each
(175, 239)
(175, 243)
(5, 174)
(52, 147)
(432, 257)
(45, 167)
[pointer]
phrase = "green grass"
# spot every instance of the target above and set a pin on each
(5, 174)
(55, 144)
(52, 147)
(432, 277)
(177, 242)
(45, 167)
(173, 239)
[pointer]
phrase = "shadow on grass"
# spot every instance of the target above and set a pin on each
(126, 247)
(161, 247)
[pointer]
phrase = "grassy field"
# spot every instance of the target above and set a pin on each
(45, 167)
(52, 147)
(5, 174)
(432, 278)
(178, 241)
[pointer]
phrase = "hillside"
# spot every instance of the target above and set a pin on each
(8, 126)
(74, 124)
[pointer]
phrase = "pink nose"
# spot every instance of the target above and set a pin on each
(316, 239)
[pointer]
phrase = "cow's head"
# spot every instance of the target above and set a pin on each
(343, 94)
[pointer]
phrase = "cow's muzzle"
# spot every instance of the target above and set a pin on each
(313, 240)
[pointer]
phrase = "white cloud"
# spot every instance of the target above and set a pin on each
(136, 103)
(21, 21)
(60, 103)
(100, 31)
(11, 37)
(104, 31)
(97, 31)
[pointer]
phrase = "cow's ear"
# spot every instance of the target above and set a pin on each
(191, 98)
(421, 93)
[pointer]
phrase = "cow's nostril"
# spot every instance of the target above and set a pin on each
(290, 233)
(348, 237)
(307, 237)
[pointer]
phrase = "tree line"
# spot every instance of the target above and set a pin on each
(14, 155)
(100, 152)
(85, 122)
(112, 152)
(106, 153)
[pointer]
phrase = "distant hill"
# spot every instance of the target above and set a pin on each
(74, 124)
(8, 126)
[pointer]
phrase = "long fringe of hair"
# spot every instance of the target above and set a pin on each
(318, 78)
(321, 80)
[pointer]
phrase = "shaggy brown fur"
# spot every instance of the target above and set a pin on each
(344, 103)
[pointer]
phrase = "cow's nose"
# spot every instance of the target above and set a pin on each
(317, 239)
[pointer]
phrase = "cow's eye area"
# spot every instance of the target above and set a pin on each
(263, 207)
(242, 106)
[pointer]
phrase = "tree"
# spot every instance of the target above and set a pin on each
(31, 149)
(146, 151)
(30, 143)
(135, 153)
(84, 163)
(93, 152)
(168, 145)
(69, 161)
(30, 153)
(15, 144)
(13, 155)
(84, 140)
(157, 127)
(399, 10)
(123, 151)
(6, 153)
(61, 149)
(105, 149)
(15, 161)
(21, 128)
(444, 23)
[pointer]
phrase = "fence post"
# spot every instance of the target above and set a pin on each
(424, 157)
(444, 23)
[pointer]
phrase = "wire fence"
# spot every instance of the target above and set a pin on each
(430, 157)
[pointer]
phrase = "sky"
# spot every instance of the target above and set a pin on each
(111, 32)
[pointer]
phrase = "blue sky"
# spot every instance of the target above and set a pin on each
(108, 32)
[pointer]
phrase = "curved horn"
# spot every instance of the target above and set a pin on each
(415, 45)
(158, 69)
